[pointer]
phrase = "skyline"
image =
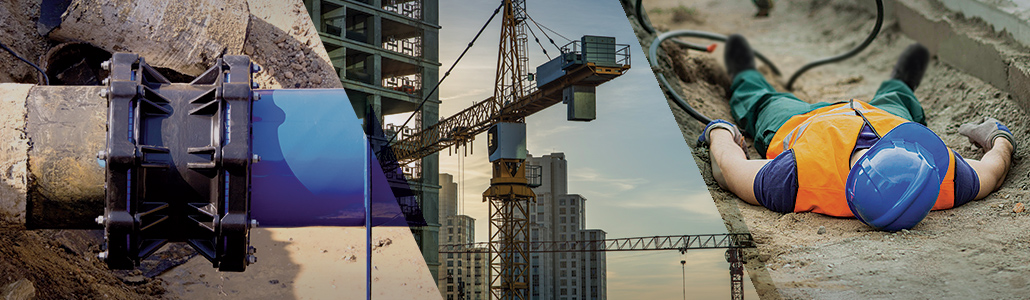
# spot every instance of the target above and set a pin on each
(631, 163)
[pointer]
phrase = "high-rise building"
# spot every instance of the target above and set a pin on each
(386, 53)
(463, 276)
(448, 197)
(560, 216)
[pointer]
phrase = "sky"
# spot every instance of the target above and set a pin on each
(631, 163)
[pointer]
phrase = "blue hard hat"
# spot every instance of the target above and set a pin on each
(894, 185)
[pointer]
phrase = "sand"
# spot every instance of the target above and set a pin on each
(973, 251)
(293, 263)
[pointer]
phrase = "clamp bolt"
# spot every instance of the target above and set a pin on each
(255, 158)
(251, 250)
(102, 255)
(101, 219)
(253, 223)
(106, 81)
(251, 259)
(257, 96)
(106, 65)
(104, 92)
(102, 154)
(254, 84)
(254, 68)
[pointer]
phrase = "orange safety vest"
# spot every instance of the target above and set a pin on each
(822, 141)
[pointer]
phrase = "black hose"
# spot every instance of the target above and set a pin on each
(705, 35)
(653, 52)
(846, 55)
(640, 18)
(46, 79)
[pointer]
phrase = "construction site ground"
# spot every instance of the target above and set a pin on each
(979, 250)
(293, 263)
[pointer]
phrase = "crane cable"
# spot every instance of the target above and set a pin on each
(445, 75)
(538, 41)
(541, 27)
(682, 103)
(548, 29)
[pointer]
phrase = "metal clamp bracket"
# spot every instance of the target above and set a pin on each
(178, 162)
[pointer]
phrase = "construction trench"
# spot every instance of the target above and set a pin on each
(978, 250)
(52, 178)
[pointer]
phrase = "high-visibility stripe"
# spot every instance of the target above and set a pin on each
(822, 142)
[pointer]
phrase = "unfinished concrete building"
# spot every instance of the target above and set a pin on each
(386, 53)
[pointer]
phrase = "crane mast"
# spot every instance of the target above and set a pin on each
(509, 191)
(569, 78)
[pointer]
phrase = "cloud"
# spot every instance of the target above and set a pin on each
(593, 178)
(543, 133)
(474, 94)
(698, 202)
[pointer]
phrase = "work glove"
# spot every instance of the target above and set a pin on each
(705, 140)
(983, 134)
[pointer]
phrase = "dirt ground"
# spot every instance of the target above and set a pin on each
(974, 251)
(56, 263)
(297, 263)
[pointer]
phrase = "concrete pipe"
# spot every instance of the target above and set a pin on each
(49, 140)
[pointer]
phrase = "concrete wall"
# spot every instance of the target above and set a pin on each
(988, 41)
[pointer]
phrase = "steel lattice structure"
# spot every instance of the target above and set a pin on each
(668, 242)
(514, 99)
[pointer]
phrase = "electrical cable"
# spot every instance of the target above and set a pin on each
(46, 79)
(854, 51)
(682, 103)
(445, 75)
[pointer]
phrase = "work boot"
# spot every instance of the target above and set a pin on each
(911, 65)
(738, 55)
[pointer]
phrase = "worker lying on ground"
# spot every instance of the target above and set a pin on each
(873, 160)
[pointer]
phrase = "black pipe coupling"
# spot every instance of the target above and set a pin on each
(178, 162)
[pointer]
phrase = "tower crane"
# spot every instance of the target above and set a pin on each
(732, 242)
(570, 78)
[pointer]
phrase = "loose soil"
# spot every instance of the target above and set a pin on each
(309, 263)
(973, 251)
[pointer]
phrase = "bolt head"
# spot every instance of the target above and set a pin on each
(253, 223)
(102, 154)
(102, 255)
(254, 84)
(251, 259)
(257, 96)
(251, 250)
(255, 158)
(255, 68)
(106, 65)
(101, 219)
(106, 81)
(104, 92)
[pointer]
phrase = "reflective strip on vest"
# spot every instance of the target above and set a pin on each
(822, 141)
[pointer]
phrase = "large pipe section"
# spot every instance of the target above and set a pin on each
(200, 162)
(58, 182)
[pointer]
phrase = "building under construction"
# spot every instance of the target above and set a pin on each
(385, 52)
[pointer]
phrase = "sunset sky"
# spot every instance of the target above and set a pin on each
(631, 163)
